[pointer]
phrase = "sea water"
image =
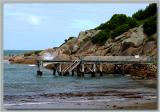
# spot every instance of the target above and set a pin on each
(15, 52)
(23, 86)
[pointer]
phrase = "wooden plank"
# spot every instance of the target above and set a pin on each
(117, 58)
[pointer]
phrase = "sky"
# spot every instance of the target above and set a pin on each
(41, 26)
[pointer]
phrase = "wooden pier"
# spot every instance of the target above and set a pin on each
(93, 63)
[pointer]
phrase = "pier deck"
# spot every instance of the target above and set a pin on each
(79, 64)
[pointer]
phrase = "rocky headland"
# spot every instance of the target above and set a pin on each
(131, 42)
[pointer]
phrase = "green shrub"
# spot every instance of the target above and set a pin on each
(114, 22)
(150, 26)
(151, 10)
(132, 22)
(120, 23)
(66, 40)
(70, 38)
(119, 19)
(121, 29)
(101, 37)
(139, 15)
(101, 26)
(148, 12)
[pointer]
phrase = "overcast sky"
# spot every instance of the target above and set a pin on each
(41, 26)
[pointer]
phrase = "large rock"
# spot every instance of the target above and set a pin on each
(23, 60)
(137, 37)
(78, 44)
(18, 59)
(87, 34)
(74, 48)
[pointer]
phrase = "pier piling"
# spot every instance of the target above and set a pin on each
(72, 72)
(39, 65)
(60, 69)
(54, 71)
(39, 72)
(82, 74)
(100, 68)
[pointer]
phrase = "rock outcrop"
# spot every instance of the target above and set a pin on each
(136, 37)
(23, 60)
(133, 42)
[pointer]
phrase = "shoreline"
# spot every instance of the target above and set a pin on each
(100, 104)
(136, 74)
(110, 99)
(128, 99)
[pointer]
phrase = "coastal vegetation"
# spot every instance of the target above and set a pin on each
(149, 11)
(120, 23)
(150, 26)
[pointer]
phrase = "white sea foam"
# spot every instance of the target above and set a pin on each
(49, 56)
(31, 65)
(76, 101)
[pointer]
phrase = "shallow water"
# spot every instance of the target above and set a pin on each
(23, 87)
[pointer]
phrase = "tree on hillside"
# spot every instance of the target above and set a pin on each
(150, 26)
(149, 11)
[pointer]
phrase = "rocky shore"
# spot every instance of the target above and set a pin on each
(133, 42)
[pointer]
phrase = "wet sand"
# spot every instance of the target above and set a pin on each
(91, 104)
(146, 106)
(103, 100)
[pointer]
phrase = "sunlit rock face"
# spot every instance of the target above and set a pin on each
(136, 38)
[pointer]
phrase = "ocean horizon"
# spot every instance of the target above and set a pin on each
(15, 52)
